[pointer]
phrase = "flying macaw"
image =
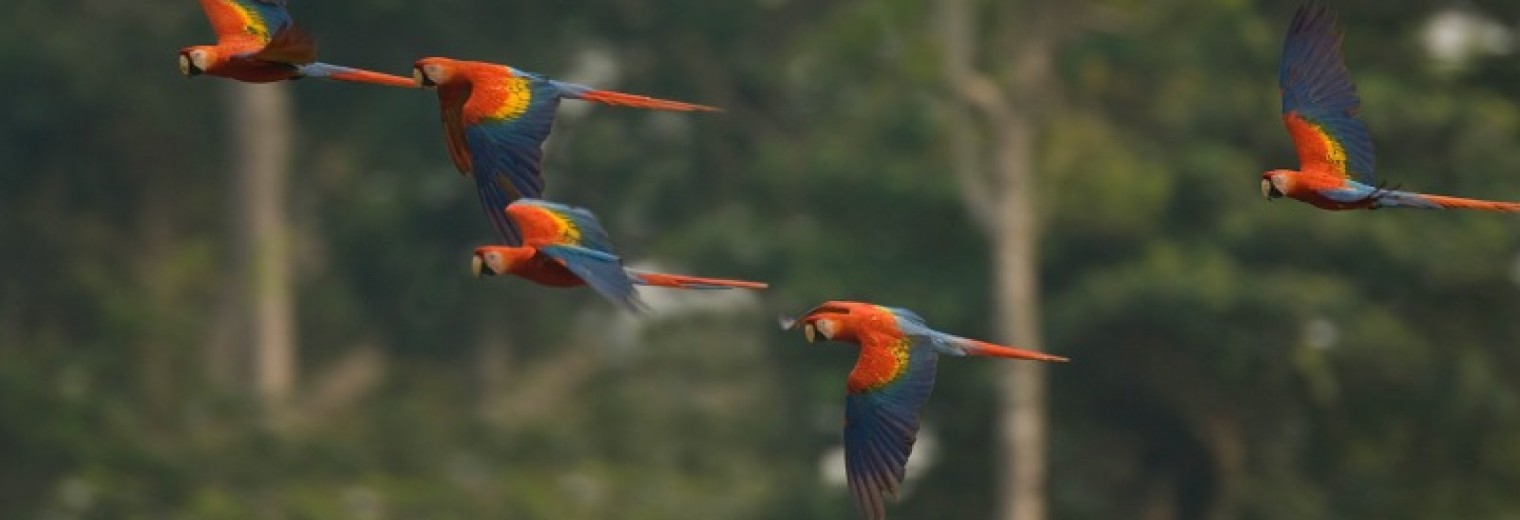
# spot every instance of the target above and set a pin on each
(892, 378)
(566, 247)
(1320, 107)
(495, 121)
(258, 42)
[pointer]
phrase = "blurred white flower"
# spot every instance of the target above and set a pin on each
(1321, 333)
(1455, 35)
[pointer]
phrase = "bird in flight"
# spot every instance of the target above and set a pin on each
(564, 246)
(887, 389)
(1320, 108)
(495, 121)
(258, 42)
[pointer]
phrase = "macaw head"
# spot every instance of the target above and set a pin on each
(834, 321)
(434, 72)
(1276, 184)
(193, 61)
(495, 260)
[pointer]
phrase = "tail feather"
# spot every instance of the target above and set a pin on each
(609, 97)
(690, 282)
(341, 73)
(1461, 203)
(982, 348)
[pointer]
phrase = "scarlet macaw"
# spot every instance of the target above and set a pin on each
(495, 121)
(1320, 106)
(566, 247)
(258, 42)
(892, 378)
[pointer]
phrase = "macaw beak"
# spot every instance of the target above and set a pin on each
(187, 68)
(422, 79)
(810, 332)
(1269, 191)
(478, 266)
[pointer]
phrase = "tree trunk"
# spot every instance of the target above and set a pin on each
(1002, 202)
(1016, 258)
(261, 132)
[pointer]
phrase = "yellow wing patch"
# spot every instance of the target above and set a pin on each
(253, 24)
(900, 353)
(1334, 153)
(1317, 149)
(519, 93)
(568, 233)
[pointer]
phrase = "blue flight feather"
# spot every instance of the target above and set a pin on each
(881, 427)
(506, 154)
(602, 271)
(1317, 86)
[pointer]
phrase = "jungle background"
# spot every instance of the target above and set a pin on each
(229, 302)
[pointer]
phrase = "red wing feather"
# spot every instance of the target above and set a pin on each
(451, 99)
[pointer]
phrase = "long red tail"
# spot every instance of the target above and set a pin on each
(691, 282)
(982, 348)
(350, 74)
(1481, 205)
(634, 100)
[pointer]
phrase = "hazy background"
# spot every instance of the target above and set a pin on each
(181, 337)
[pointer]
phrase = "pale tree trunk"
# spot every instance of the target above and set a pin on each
(261, 133)
(1022, 414)
(1002, 202)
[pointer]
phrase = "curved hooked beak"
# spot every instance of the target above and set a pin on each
(1269, 191)
(187, 67)
(422, 79)
(478, 266)
(811, 332)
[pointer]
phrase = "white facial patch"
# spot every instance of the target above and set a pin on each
(199, 59)
(827, 328)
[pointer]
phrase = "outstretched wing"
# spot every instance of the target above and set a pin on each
(503, 147)
(602, 271)
(565, 226)
(249, 20)
(1319, 102)
(881, 419)
(289, 45)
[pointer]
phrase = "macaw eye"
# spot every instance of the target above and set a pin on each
(199, 59)
(433, 71)
(493, 257)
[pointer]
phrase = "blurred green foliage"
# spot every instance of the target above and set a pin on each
(1234, 358)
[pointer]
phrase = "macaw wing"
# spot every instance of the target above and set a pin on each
(881, 425)
(602, 271)
(451, 100)
(1319, 103)
(494, 198)
(504, 149)
(258, 20)
(288, 45)
(576, 227)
